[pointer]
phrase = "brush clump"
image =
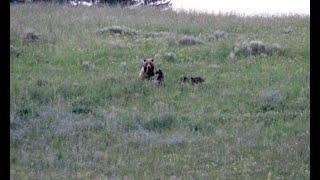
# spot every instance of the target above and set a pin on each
(122, 30)
(255, 48)
(288, 30)
(216, 36)
(14, 51)
(31, 35)
(219, 34)
(190, 40)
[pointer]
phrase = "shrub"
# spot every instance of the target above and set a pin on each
(31, 35)
(270, 100)
(14, 51)
(190, 40)
(118, 30)
(269, 96)
(219, 34)
(25, 112)
(288, 30)
(255, 48)
(170, 56)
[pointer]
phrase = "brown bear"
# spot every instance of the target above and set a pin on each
(159, 77)
(196, 80)
(148, 69)
(184, 79)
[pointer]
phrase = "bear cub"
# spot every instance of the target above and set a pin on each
(159, 77)
(195, 80)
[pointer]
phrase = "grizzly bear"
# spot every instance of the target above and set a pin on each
(159, 77)
(148, 69)
(196, 80)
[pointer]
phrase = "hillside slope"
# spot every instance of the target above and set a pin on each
(79, 110)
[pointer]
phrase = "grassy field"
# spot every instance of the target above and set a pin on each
(79, 111)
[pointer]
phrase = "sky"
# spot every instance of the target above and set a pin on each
(246, 7)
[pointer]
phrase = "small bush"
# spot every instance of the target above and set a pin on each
(219, 34)
(288, 30)
(174, 140)
(255, 48)
(190, 40)
(14, 51)
(31, 35)
(269, 96)
(211, 38)
(216, 36)
(170, 57)
(277, 47)
(160, 123)
(25, 112)
(270, 100)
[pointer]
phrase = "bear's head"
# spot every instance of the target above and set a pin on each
(196, 80)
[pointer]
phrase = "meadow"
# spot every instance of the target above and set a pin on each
(79, 111)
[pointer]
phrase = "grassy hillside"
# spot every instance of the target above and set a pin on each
(78, 109)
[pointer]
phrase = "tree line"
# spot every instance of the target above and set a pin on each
(111, 2)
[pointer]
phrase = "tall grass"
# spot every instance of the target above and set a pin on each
(78, 109)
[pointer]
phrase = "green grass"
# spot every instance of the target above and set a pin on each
(78, 109)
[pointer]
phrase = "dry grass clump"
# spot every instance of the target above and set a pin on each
(216, 36)
(14, 50)
(269, 96)
(219, 34)
(288, 30)
(270, 100)
(31, 35)
(118, 30)
(190, 40)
